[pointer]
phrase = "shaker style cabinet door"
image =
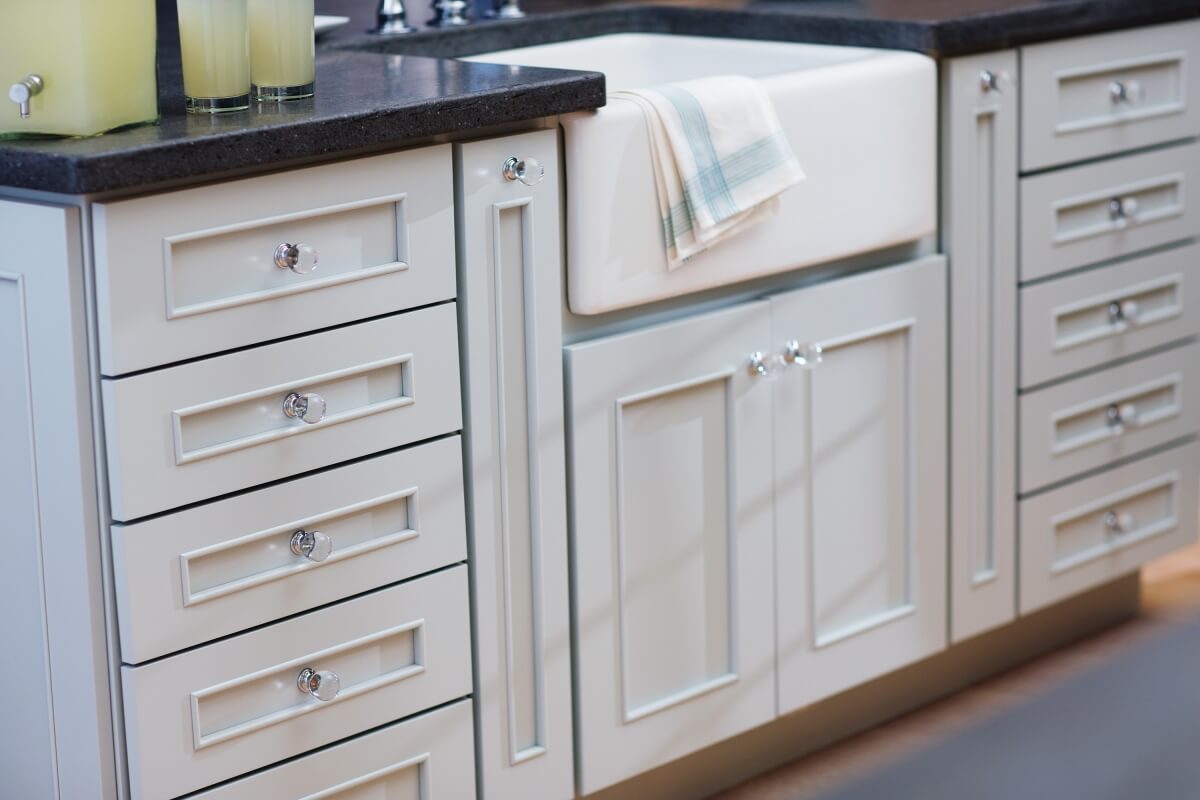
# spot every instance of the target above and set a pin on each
(979, 218)
(860, 478)
(671, 518)
(510, 290)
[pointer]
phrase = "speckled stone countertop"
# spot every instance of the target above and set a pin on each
(375, 93)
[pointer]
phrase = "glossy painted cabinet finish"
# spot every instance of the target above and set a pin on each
(860, 480)
(672, 560)
(1097, 95)
(56, 725)
(427, 757)
(979, 234)
(510, 296)
(1091, 531)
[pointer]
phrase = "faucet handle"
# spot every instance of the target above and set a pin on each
(24, 89)
(391, 18)
(506, 9)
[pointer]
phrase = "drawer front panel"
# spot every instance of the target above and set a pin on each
(194, 272)
(1096, 95)
(1089, 532)
(198, 430)
(1100, 211)
(1091, 421)
(206, 715)
(206, 572)
(1087, 320)
(428, 757)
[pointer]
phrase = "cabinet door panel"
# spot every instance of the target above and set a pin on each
(671, 481)
(979, 218)
(860, 477)
(510, 290)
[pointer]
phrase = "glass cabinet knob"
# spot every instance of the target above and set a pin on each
(323, 685)
(299, 258)
(808, 356)
(309, 408)
(313, 545)
(528, 171)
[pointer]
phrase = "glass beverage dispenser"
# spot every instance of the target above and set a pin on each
(76, 67)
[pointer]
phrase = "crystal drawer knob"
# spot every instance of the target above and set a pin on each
(323, 685)
(1123, 210)
(309, 408)
(1118, 522)
(989, 81)
(758, 364)
(1121, 313)
(808, 356)
(1125, 92)
(299, 258)
(528, 171)
(313, 545)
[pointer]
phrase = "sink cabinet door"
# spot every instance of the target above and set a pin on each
(979, 234)
(860, 479)
(672, 558)
(510, 289)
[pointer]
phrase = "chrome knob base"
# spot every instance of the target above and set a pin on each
(313, 545)
(309, 408)
(450, 14)
(323, 685)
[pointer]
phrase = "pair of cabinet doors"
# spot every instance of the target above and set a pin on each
(747, 542)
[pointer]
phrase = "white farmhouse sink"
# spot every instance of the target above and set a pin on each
(862, 122)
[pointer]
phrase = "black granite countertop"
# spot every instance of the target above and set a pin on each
(383, 92)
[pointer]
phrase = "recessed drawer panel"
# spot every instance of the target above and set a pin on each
(202, 429)
(1089, 422)
(209, 571)
(1092, 318)
(428, 757)
(1086, 533)
(210, 714)
(202, 270)
(1096, 95)
(1075, 217)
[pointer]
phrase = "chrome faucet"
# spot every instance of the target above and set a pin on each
(391, 18)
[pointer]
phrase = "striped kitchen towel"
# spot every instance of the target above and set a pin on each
(720, 159)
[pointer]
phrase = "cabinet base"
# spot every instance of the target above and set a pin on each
(733, 761)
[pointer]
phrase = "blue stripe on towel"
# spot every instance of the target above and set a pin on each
(713, 191)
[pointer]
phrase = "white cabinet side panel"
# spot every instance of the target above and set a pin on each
(979, 208)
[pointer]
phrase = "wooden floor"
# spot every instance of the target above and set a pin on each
(1171, 588)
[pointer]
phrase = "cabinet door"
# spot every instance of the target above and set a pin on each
(979, 219)
(860, 479)
(671, 524)
(510, 291)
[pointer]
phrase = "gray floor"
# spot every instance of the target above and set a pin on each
(1127, 729)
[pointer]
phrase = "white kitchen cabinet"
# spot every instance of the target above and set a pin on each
(56, 721)
(510, 289)
(688, 461)
(979, 235)
(672, 557)
(859, 433)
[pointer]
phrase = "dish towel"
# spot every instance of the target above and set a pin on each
(720, 159)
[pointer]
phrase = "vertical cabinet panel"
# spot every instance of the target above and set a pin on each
(510, 290)
(979, 211)
(860, 479)
(672, 522)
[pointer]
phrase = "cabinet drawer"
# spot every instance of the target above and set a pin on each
(194, 272)
(1096, 95)
(209, 714)
(1079, 216)
(206, 572)
(202, 429)
(429, 757)
(1091, 421)
(1087, 320)
(1089, 532)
